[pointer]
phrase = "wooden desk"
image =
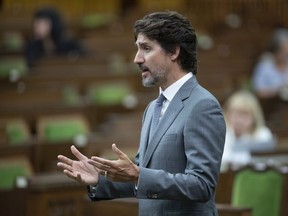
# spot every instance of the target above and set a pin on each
(119, 207)
(13, 202)
(228, 210)
(56, 194)
(122, 207)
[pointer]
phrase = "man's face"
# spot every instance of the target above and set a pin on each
(153, 61)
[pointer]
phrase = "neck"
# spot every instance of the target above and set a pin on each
(172, 78)
(48, 46)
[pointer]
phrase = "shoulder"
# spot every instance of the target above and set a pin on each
(263, 134)
(202, 106)
(265, 65)
(200, 95)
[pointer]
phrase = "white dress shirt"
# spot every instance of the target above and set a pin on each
(171, 91)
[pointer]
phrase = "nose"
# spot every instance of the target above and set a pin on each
(138, 58)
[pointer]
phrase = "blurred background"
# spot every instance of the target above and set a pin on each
(67, 77)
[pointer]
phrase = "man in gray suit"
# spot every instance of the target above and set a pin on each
(183, 132)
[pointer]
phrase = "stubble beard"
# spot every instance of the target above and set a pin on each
(155, 79)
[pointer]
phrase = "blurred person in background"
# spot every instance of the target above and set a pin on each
(246, 131)
(49, 38)
(270, 78)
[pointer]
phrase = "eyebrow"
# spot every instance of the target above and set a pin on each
(141, 43)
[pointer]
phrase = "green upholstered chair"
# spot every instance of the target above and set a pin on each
(11, 168)
(12, 68)
(71, 95)
(17, 131)
(260, 190)
(13, 41)
(62, 128)
(109, 94)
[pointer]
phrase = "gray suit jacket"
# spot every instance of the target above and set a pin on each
(179, 167)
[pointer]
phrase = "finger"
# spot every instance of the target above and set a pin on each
(65, 160)
(101, 169)
(64, 166)
(105, 162)
(117, 150)
(77, 153)
(98, 165)
(70, 174)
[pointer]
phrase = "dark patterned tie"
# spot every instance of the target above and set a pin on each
(156, 114)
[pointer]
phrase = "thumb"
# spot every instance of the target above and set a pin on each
(117, 150)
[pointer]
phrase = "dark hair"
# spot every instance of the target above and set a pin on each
(57, 26)
(170, 29)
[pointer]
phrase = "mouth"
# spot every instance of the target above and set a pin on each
(145, 70)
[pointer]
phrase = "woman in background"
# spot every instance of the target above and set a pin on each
(49, 38)
(270, 77)
(246, 130)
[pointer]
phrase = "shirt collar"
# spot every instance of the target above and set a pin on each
(171, 91)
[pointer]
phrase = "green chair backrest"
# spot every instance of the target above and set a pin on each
(15, 133)
(63, 130)
(110, 94)
(260, 190)
(71, 96)
(9, 173)
(96, 20)
(12, 66)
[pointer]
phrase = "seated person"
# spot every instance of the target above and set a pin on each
(270, 78)
(49, 38)
(246, 131)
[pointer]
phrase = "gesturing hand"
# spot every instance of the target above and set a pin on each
(80, 169)
(121, 170)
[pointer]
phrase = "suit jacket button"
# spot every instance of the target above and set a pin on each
(154, 196)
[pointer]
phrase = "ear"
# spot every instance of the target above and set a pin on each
(175, 54)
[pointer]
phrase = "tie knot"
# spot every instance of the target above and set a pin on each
(160, 99)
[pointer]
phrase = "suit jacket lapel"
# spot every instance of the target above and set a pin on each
(168, 118)
(145, 132)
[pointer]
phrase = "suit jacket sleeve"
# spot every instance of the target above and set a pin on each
(204, 137)
(111, 190)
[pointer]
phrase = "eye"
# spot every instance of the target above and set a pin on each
(146, 48)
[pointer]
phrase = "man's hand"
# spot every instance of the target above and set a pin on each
(121, 170)
(79, 170)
